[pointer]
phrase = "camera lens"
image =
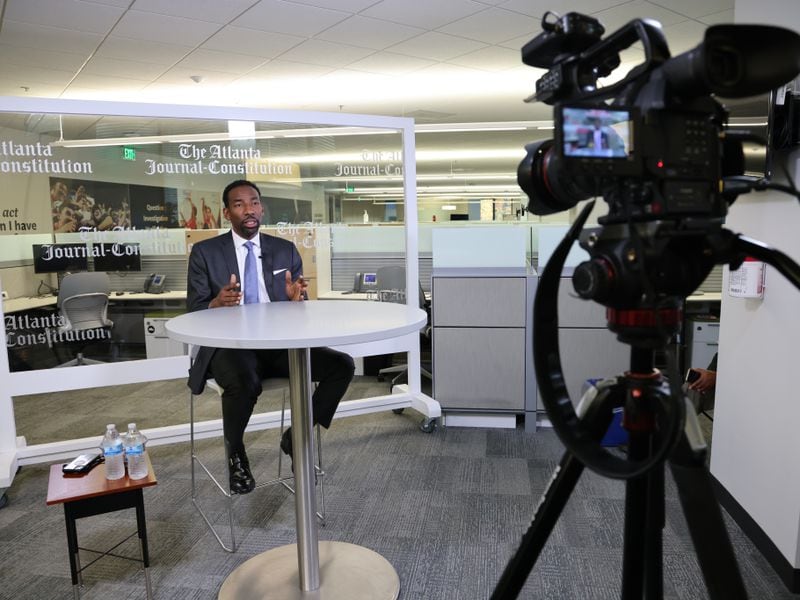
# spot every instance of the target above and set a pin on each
(541, 177)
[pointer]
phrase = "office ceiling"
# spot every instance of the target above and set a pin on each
(437, 61)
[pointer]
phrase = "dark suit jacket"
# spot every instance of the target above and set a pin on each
(211, 263)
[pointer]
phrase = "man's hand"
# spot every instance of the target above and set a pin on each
(295, 290)
(706, 382)
(230, 295)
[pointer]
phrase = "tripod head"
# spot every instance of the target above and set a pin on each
(637, 271)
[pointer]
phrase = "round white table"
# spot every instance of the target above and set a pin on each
(349, 571)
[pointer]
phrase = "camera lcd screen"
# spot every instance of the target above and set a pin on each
(117, 257)
(596, 132)
(59, 258)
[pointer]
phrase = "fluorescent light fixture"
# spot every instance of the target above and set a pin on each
(448, 206)
(242, 129)
(246, 130)
(487, 126)
(235, 132)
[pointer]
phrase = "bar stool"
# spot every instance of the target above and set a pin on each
(271, 384)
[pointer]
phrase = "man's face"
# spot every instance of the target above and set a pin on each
(244, 211)
(67, 213)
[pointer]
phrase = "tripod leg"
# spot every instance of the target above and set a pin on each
(642, 565)
(654, 547)
(547, 512)
(704, 516)
(598, 416)
(635, 533)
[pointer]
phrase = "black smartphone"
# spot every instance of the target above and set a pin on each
(82, 464)
(692, 376)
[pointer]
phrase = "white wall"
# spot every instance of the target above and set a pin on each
(757, 416)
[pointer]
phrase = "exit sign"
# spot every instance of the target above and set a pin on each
(350, 189)
(128, 153)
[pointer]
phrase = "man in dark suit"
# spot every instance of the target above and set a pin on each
(272, 273)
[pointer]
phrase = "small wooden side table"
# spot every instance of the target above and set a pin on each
(93, 494)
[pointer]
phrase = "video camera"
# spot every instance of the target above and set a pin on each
(654, 145)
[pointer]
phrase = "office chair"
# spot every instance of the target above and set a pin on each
(83, 305)
(391, 287)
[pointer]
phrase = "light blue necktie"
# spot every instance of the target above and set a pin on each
(250, 276)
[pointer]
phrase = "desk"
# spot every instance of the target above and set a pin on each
(300, 326)
(12, 305)
(93, 494)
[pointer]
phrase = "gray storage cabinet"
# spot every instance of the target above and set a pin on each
(480, 344)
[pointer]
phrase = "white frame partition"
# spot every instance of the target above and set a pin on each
(13, 449)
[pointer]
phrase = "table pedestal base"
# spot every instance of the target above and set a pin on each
(345, 570)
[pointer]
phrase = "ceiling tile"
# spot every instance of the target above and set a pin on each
(115, 67)
(66, 61)
(182, 76)
(436, 46)
(614, 18)
(251, 41)
(537, 8)
(42, 37)
(163, 28)
(693, 8)
(285, 69)
(227, 62)
(388, 63)
(492, 26)
(725, 16)
(214, 11)
(100, 82)
(118, 3)
(428, 15)
(37, 90)
(350, 6)
(517, 43)
(492, 58)
(684, 36)
(67, 14)
(290, 18)
(370, 33)
(126, 48)
(29, 76)
(319, 52)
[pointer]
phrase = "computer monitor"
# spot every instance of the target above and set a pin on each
(117, 257)
(58, 258)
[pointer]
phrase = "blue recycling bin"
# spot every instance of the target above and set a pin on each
(616, 434)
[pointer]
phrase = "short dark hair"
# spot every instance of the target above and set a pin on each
(235, 184)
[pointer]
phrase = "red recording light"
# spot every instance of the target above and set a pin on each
(660, 164)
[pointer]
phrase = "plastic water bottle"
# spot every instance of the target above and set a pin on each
(112, 452)
(134, 451)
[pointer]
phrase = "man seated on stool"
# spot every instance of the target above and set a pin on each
(273, 272)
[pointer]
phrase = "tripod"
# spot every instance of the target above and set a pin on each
(642, 569)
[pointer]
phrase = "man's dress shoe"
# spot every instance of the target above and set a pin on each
(241, 479)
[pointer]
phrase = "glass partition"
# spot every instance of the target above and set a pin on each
(128, 196)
